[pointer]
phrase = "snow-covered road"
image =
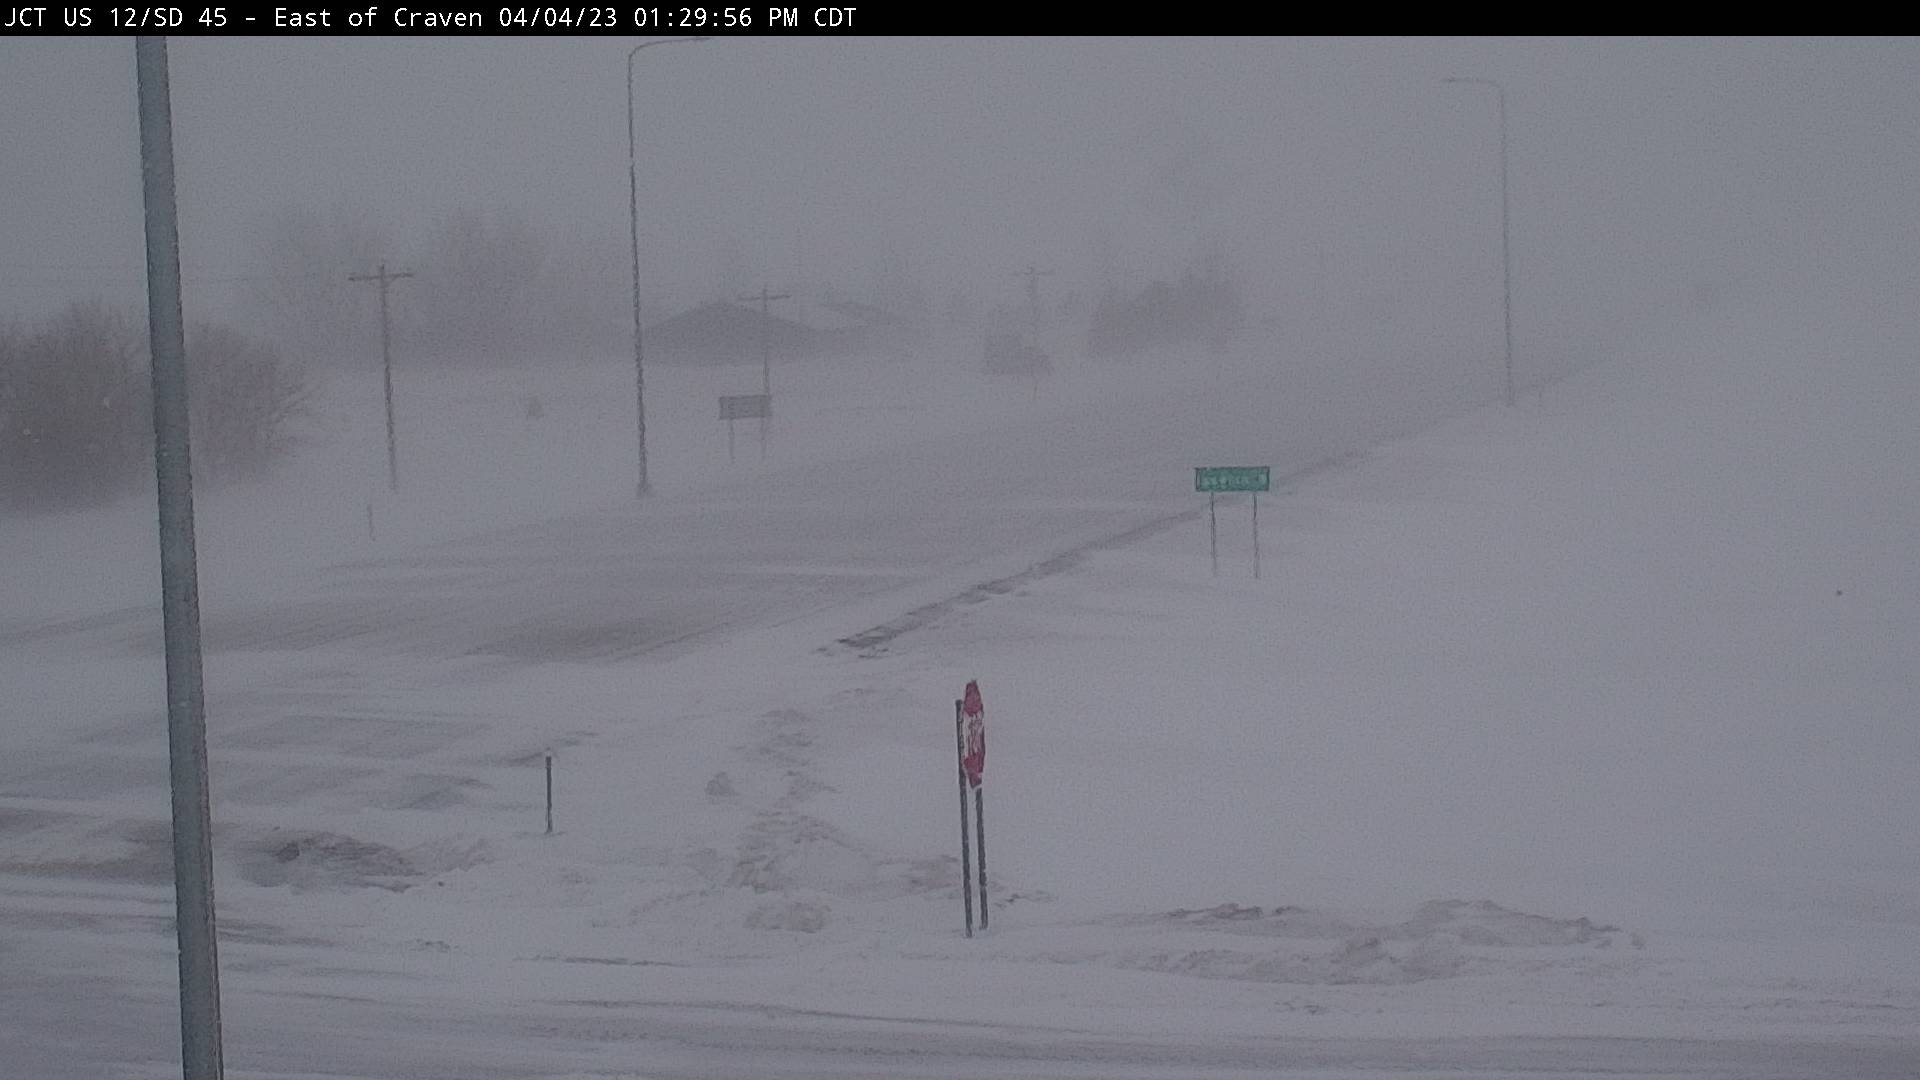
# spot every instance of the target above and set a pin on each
(338, 691)
(59, 1028)
(1301, 826)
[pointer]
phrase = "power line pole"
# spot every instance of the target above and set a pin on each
(766, 329)
(386, 365)
(766, 355)
(1033, 277)
(200, 1053)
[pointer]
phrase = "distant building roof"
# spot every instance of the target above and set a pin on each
(731, 331)
(723, 331)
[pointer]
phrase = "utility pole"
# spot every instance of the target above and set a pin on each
(1033, 277)
(766, 327)
(386, 365)
(200, 1053)
(766, 355)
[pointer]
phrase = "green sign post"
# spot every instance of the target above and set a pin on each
(1232, 479)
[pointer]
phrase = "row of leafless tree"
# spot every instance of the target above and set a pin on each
(493, 287)
(76, 425)
(1205, 305)
(485, 287)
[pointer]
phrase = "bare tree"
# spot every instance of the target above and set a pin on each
(482, 283)
(74, 423)
(296, 285)
(246, 401)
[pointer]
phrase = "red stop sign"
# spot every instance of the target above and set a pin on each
(974, 758)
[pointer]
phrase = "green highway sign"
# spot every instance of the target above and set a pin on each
(1231, 478)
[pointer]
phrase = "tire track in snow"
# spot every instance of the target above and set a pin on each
(872, 642)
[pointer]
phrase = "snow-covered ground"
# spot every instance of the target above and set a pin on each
(1573, 739)
(520, 441)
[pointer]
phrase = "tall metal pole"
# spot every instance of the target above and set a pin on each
(1506, 247)
(1213, 534)
(200, 1044)
(980, 845)
(644, 487)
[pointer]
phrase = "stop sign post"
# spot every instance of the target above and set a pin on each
(970, 747)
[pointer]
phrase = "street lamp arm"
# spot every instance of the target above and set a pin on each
(635, 51)
(665, 41)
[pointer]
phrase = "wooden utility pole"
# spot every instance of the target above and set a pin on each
(1033, 277)
(386, 364)
(766, 355)
(766, 328)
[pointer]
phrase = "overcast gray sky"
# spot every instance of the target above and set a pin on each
(1639, 168)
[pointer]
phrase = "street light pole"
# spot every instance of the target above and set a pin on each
(633, 225)
(1506, 249)
(200, 1043)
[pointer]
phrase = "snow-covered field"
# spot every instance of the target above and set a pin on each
(487, 448)
(1575, 739)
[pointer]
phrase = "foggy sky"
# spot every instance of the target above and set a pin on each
(1640, 170)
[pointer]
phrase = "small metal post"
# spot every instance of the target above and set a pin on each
(633, 235)
(980, 842)
(1506, 246)
(1213, 534)
(966, 868)
(644, 488)
(1256, 536)
(549, 793)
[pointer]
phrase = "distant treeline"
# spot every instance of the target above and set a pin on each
(76, 419)
(1201, 307)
